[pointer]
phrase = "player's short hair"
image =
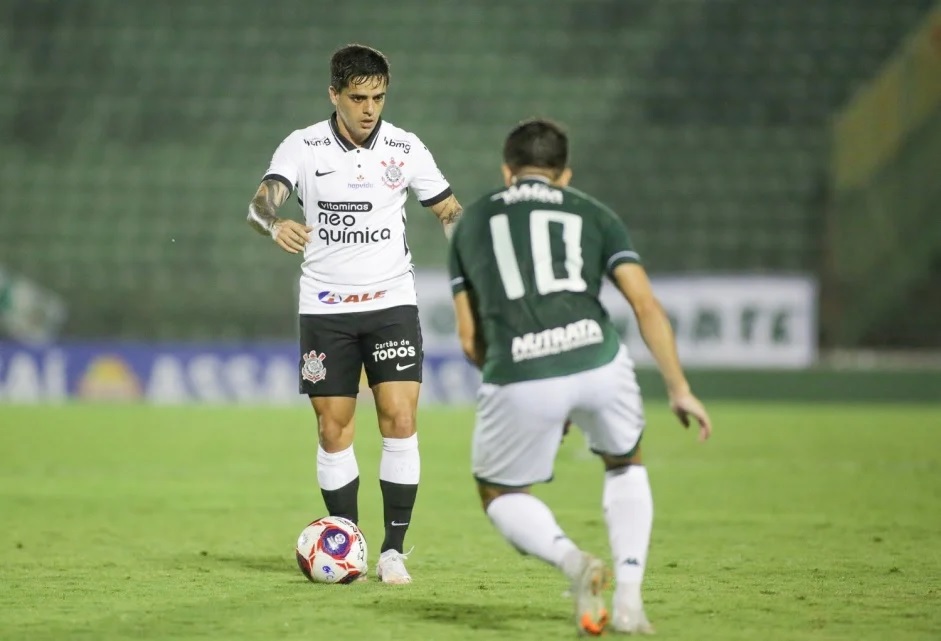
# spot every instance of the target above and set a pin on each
(354, 64)
(537, 143)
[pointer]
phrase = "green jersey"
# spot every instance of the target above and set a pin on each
(532, 258)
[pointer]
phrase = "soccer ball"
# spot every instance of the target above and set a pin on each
(331, 550)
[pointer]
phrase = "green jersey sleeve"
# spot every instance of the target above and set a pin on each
(455, 266)
(617, 244)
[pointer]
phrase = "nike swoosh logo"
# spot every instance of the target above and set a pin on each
(401, 367)
(319, 173)
(397, 524)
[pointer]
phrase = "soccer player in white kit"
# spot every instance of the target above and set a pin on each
(358, 309)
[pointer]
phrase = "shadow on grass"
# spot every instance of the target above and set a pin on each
(494, 615)
(272, 563)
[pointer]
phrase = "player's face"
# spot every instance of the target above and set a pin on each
(359, 106)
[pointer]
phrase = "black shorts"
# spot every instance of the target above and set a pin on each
(336, 347)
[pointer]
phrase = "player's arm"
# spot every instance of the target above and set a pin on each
(432, 188)
(448, 211)
(467, 330)
(631, 279)
(289, 234)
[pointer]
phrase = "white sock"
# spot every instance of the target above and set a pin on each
(529, 525)
(400, 462)
(628, 511)
(337, 469)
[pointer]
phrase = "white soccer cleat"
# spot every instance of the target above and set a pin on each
(591, 614)
(391, 568)
(631, 621)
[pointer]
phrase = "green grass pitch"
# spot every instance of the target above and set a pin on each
(804, 522)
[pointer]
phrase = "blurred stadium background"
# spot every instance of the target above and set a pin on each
(776, 160)
(738, 138)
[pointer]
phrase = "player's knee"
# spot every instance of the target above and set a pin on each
(396, 405)
(613, 462)
(489, 493)
(399, 423)
(335, 439)
(336, 433)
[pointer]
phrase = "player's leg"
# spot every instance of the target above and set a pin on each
(392, 354)
(330, 367)
(337, 469)
(611, 416)
(399, 470)
(628, 509)
(515, 444)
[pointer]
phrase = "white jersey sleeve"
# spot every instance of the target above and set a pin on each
(428, 183)
(287, 163)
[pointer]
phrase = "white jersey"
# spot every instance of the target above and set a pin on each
(354, 197)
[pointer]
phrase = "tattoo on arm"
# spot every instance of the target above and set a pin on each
(449, 213)
(263, 210)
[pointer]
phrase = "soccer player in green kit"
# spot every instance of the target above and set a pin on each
(527, 263)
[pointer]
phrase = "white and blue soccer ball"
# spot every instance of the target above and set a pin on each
(332, 550)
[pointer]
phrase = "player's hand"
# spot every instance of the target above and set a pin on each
(290, 235)
(685, 405)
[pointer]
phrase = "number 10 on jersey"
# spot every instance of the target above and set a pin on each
(541, 248)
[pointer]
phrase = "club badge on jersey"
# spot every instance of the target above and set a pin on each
(393, 177)
(313, 369)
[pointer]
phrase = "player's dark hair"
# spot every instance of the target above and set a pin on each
(537, 143)
(354, 64)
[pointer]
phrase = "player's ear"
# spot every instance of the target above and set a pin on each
(507, 174)
(334, 95)
(565, 177)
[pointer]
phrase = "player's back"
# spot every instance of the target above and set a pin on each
(533, 257)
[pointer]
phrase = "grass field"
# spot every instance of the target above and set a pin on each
(813, 522)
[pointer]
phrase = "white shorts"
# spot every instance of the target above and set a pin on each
(519, 426)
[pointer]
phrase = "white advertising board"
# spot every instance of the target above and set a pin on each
(719, 321)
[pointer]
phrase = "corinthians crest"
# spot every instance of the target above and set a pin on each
(393, 177)
(313, 370)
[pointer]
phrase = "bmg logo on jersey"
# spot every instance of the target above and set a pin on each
(393, 349)
(404, 145)
(336, 298)
(317, 142)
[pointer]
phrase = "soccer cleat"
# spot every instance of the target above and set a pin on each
(391, 568)
(628, 621)
(591, 615)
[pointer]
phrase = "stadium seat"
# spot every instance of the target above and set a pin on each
(140, 132)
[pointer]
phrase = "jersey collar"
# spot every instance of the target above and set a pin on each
(537, 178)
(346, 143)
